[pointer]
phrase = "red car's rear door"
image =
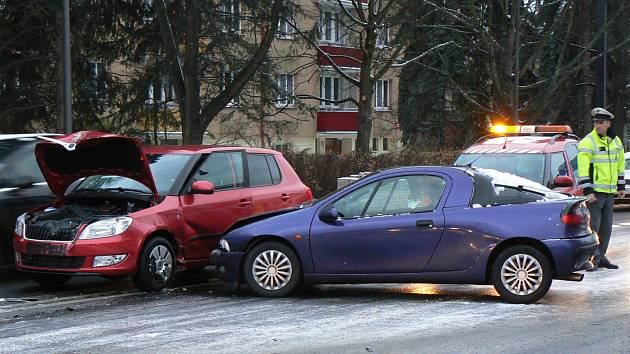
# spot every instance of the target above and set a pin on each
(269, 190)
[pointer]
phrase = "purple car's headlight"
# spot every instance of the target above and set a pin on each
(224, 245)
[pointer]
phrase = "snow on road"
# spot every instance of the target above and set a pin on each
(356, 318)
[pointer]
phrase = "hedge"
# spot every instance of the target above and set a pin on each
(320, 172)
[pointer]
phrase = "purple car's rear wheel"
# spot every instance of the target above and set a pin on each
(272, 269)
(521, 274)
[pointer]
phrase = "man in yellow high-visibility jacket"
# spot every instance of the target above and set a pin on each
(601, 174)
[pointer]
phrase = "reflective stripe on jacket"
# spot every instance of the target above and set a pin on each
(600, 164)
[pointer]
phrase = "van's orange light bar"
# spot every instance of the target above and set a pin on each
(529, 129)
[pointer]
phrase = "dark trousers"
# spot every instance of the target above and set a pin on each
(601, 221)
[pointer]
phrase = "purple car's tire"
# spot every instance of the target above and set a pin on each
(272, 269)
(521, 274)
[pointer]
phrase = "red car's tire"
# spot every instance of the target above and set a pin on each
(156, 266)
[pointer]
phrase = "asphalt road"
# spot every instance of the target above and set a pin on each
(198, 315)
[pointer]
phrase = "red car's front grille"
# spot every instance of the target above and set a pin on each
(60, 262)
(43, 233)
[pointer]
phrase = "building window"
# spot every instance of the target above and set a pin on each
(330, 90)
(230, 14)
(147, 8)
(382, 36)
(225, 78)
(285, 83)
(97, 84)
(286, 23)
(374, 144)
(329, 26)
(283, 147)
(161, 92)
(382, 94)
(385, 144)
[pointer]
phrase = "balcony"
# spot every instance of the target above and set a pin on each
(337, 121)
(342, 56)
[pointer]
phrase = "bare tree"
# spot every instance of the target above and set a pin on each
(536, 56)
(190, 40)
(373, 27)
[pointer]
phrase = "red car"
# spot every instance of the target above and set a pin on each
(546, 154)
(121, 210)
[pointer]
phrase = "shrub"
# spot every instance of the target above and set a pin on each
(320, 172)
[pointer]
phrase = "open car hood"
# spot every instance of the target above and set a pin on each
(65, 159)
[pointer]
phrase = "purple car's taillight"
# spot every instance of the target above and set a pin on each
(576, 214)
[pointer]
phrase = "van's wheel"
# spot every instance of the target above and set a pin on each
(272, 269)
(521, 274)
(51, 281)
(156, 265)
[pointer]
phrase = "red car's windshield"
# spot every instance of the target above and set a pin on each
(164, 167)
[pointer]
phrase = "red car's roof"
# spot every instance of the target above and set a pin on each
(202, 149)
(520, 144)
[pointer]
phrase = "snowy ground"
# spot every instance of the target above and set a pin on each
(587, 317)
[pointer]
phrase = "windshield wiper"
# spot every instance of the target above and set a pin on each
(525, 188)
(115, 189)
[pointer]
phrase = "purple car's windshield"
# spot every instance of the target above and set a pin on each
(530, 166)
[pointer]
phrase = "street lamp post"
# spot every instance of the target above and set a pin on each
(516, 20)
(67, 78)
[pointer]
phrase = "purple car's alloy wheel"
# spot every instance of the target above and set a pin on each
(272, 270)
(521, 274)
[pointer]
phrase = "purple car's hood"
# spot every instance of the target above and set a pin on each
(68, 158)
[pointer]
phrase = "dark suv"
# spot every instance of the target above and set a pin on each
(22, 186)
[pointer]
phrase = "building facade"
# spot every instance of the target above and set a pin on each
(313, 110)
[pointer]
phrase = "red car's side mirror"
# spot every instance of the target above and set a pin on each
(202, 187)
(563, 181)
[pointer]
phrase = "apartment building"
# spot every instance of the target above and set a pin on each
(323, 126)
(312, 112)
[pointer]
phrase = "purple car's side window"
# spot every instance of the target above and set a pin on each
(407, 194)
(392, 196)
(353, 204)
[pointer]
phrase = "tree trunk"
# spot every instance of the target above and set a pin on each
(58, 65)
(587, 76)
(192, 129)
(263, 114)
(365, 117)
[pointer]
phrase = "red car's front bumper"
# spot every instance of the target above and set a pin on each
(75, 257)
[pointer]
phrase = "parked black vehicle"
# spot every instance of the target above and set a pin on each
(22, 186)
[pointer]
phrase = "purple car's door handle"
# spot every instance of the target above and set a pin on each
(424, 223)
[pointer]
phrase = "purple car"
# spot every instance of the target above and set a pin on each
(453, 225)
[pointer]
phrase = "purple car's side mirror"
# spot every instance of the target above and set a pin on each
(329, 216)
